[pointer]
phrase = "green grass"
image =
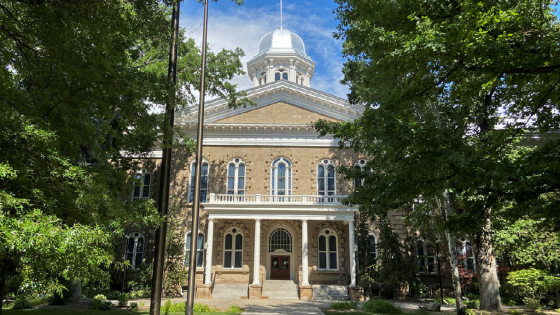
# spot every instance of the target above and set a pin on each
(59, 311)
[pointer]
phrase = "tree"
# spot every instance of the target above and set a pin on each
(450, 88)
(79, 81)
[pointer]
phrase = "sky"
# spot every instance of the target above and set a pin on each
(231, 26)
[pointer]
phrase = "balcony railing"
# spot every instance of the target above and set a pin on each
(295, 199)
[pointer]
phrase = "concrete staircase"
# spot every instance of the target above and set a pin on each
(230, 291)
(330, 292)
(280, 290)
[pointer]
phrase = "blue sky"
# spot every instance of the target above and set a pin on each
(231, 26)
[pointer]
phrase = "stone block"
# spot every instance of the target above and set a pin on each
(203, 291)
(255, 291)
(305, 292)
(356, 293)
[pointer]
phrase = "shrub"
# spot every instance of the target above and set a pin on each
(532, 305)
(344, 305)
(513, 311)
(133, 306)
(123, 300)
(381, 307)
(235, 309)
(166, 306)
(473, 304)
(468, 311)
(202, 308)
(180, 307)
(449, 301)
(100, 302)
(21, 303)
(533, 283)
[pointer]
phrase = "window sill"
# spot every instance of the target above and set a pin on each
(232, 271)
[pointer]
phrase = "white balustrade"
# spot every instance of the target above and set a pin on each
(297, 199)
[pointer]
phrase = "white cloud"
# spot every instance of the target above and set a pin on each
(244, 27)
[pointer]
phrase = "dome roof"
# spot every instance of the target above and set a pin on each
(281, 40)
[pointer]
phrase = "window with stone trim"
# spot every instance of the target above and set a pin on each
(426, 256)
(367, 249)
(135, 249)
(199, 250)
(359, 166)
(233, 248)
(281, 177)
(281, 75)
(236, 177)
(326, 178)
(328, 250)
(141, 185)
(465, 255)
(203, 181)
(280, 239)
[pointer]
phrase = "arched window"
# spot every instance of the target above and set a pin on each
(281, 75)
(328, 250)
(233, 248)
(199, 250)
(465, 255)
(281, 177)
(280, 240)
(203, 181)
(135, 249)
(367, 249)
(141, 185)
(236, 177)
(359, 166)
(426, 257)
(326, 178)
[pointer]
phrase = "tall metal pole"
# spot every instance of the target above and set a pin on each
(439, 273)
(165, 176)
(198, 168)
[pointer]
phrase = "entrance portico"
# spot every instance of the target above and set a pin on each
(281, 248)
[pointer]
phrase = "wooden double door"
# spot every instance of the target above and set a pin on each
(279, 267)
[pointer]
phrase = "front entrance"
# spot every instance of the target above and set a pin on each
(279, 267)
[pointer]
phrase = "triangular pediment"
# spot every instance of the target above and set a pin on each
(280, 102)
(277, 113)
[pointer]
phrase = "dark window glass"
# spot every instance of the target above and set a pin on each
(322, 243)
(238, 241)
(322, 260)
(228, 241)
(332, 262)
(227, 259)
(238, 260)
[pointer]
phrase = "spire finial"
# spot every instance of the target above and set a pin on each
(281, 27)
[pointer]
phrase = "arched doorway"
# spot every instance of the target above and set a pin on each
(280, 252)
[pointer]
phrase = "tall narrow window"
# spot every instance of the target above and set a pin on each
(135, 249)
(199, 250)
(236, 177)
(233, 248)
(367, 249)
(326, 178)
(426, 257)
(203, 181)
(281, 177)
(328, 250)
(465, 255)
(141, 185)
(359, 167)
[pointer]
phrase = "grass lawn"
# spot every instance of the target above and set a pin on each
(59, 311)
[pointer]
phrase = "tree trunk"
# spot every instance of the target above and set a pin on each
(453, 257)
(488, 282)
(3, 275)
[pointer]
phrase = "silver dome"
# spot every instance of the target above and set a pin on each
(281, 40)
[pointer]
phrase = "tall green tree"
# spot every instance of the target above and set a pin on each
(450, 87)
(80, 81)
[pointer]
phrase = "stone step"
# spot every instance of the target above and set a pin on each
(230, 291)
(280, 290)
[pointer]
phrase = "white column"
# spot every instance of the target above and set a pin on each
(352, 254)
(209, 243)
(257, 253)
(304, 254)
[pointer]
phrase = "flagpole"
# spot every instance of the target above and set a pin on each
(165, 175)
(198, 168)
